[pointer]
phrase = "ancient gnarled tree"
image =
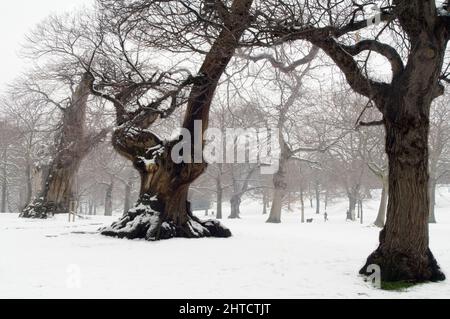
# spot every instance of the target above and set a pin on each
(163, 210)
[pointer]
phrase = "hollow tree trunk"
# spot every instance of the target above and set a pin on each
(432, 219)
(163, 211)
(381, 216)
(72, 146)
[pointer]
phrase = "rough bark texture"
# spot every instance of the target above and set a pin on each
(71, 147)
(163, 211)
(404, 252)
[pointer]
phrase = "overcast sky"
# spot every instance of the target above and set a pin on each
(17, 17)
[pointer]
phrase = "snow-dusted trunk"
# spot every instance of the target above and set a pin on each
(71, 147)
(163, 210)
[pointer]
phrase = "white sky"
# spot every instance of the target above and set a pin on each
(17, 18)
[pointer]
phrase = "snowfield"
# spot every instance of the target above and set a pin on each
(55, 259)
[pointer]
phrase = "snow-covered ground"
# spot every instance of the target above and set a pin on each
(55, 259)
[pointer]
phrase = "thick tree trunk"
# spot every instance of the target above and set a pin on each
(432, 219)
(163, 211)
(403, 253)
(381, 216)
(72, 146)
(235, 203)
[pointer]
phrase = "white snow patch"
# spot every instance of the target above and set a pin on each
(289, 260)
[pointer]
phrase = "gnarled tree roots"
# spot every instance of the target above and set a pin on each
(145, 221)
(40, 209)
(401, 267)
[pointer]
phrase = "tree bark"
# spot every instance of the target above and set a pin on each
(72, 146)
(404, 252)
(163, 211)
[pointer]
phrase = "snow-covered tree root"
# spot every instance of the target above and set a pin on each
(146, 221)
(38, 209)
(398, 266)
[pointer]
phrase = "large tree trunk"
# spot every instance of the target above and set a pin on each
(71, 147)
(381, 216)
(235, 203)
(404, 252)
(163, 211)
(432, 219)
